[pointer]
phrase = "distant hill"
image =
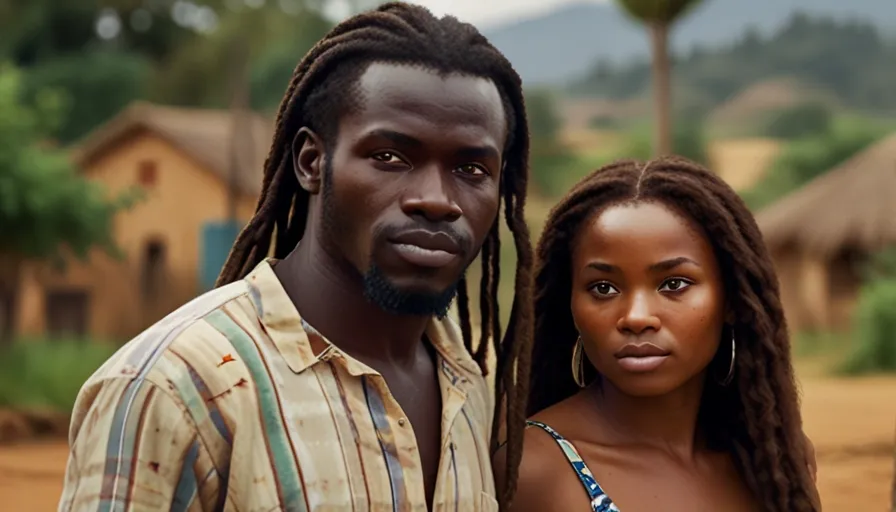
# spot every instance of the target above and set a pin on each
(769, 96)
(557, 46)
(847, 62)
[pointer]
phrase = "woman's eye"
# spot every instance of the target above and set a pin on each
(674, 285)
(604, 289)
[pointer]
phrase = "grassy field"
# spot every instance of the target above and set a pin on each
(47, 374)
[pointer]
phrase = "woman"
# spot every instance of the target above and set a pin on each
(661, 375)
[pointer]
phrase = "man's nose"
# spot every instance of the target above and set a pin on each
(431, 195)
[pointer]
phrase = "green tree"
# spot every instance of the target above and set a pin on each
(270, 39)
(541, 109)
(39, 29)
(272, 69)
(874, 329)
(549, 158)
(811, 118)
(35, 30)
(97, 84)
(688, 140)
(56, 45)
(847, 59)
(659, 16)
(46, 209)
(804, 159)
(154, 50)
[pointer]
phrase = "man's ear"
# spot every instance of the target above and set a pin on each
(308, 159)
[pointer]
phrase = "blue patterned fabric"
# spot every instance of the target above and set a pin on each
(600, 502)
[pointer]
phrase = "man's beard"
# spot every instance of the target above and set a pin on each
(377, 287)
(389, 298)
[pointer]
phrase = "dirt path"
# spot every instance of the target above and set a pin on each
(31, 476)
(851, 422)
(853, 426)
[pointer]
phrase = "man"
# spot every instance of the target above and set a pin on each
(328, 377)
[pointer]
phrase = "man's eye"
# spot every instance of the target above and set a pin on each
(472, 170)
(388, 157)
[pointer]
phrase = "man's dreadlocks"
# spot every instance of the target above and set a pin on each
(322, 90)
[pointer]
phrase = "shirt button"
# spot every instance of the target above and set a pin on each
(401, 422)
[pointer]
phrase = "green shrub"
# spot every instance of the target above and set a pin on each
(550, 164)
(688, 140)
(881, 266)
(48, 373)
(550, 161)
(603, 121)
(819, 343)
(802, 120)
(805, 159)
(874, 330)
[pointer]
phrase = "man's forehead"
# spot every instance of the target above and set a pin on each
(404, 83)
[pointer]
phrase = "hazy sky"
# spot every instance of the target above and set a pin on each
(491, 12)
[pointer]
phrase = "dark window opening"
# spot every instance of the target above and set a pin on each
(147, 173)
(153, 274)
(67, 313)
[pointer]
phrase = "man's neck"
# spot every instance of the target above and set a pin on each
(332, 300)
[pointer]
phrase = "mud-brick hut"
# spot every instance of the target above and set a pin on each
(193, 166)
(821, 235)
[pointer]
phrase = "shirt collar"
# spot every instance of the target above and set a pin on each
(288, 331)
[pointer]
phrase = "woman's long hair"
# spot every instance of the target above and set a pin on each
(756, 417)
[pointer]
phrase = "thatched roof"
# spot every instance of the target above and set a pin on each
(852, 205)
(203, 134)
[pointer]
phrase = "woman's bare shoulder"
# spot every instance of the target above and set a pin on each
(547, 481)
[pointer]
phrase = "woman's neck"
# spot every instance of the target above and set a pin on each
(667, 422)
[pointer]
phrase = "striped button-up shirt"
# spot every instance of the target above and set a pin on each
(224, 405)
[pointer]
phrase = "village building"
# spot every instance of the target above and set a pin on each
(822, 235)
(174, 240)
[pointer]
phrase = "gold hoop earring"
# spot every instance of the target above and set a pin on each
(730, 376)
(578, 363)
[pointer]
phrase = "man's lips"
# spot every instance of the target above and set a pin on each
(428, 240)
(423, 248)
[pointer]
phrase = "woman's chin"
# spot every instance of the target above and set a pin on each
(644, 385)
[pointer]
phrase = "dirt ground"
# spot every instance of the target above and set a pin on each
(851, 422)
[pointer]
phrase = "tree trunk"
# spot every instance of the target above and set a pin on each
(241, 128)
(662, 125)
(10, 270)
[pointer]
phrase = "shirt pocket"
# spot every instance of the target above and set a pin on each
(487, 503)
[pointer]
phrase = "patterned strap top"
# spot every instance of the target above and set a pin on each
(600, 502)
